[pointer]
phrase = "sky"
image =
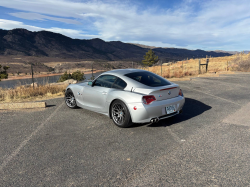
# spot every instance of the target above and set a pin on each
(190, 24)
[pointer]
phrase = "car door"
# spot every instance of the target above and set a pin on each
(94, 97)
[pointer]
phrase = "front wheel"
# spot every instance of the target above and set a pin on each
(70, 99)
(120, 114)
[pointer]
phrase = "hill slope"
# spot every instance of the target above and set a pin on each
(49, 44)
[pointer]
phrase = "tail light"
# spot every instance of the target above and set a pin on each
(148, 99)
(181, 93)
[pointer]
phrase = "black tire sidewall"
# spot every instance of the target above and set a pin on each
(127, 122)
(69, 91)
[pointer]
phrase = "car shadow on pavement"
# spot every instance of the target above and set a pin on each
(191, 109)
(47, 106)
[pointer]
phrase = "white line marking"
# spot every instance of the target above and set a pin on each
(230, 84)
(212, 95)
(14, 153)
(176, 138)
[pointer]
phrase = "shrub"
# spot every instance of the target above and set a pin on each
(4, 74)
(64, 77)
(77, 75)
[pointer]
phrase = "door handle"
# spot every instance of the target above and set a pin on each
(104, 93)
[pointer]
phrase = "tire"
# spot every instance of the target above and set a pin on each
(70, 99)
(120, 114)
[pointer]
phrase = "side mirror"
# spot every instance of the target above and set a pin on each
(90, 83)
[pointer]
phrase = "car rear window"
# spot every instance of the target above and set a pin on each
(148, 78)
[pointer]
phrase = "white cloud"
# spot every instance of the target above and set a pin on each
(40, 17)
(9, 24)
(215, 24)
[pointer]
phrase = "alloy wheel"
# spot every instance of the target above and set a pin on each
(70, 99)
(118, 113)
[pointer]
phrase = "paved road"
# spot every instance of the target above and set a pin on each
(207, 145)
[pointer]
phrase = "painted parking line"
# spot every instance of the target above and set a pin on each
(211, 95)
(15, 152)
(218, 81)
(174, 135)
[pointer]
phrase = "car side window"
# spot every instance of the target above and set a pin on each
(119, 84)
(105, 81)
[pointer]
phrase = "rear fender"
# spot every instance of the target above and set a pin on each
(126, 97)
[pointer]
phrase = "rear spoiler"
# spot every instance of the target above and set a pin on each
(167, 88)
(148, 91)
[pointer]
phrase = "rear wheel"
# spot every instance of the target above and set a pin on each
(120, 114)
(70, 99)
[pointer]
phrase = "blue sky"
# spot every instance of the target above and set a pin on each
(191, 24)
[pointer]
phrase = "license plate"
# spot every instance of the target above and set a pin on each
(170, 109)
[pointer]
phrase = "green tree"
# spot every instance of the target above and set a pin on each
(64, 77)
(77, 75)
(150, 58)
(4, 74)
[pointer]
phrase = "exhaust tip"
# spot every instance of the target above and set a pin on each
(154, 120)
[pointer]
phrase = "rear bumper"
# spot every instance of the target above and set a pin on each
(141, 113)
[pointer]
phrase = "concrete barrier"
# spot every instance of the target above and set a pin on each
(10, 106)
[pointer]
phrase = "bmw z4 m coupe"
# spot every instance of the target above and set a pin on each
(128, 96)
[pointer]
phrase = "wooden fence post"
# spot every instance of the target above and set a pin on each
(173, 72)
(199, 66)
(92, 72)
(32, 75)
(161, 67)
(182, 68)
(207, 64)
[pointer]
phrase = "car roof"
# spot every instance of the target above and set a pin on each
(130, 82)
(123, 71)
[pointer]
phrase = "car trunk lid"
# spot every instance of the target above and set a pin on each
(160, 93)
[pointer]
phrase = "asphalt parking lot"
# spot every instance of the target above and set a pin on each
(207, 145)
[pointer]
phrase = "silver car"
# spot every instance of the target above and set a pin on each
(128, 96)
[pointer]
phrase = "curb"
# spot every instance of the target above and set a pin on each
(208, 75)
(10, 106)
(180, 79)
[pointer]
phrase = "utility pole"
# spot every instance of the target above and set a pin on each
(132, 64)
(32, 75)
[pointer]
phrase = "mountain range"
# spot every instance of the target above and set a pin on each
(48, 44)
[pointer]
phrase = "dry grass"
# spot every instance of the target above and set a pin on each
(24, 93)
(239, 62)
